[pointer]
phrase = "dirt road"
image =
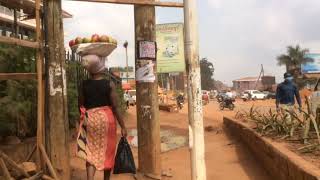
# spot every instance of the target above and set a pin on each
(226, 158)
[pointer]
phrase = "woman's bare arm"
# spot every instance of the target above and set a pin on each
(80, 96)
(115, 107)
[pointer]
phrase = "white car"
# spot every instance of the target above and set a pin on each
(255, 94)
(133, 98)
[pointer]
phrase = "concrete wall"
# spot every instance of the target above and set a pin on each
(277, 160)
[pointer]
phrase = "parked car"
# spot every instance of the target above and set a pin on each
(270, 95)
(245, 96)
(254, 95)
(133, 97)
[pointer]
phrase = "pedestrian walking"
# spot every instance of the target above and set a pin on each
(126, 99)
(286, 94)
(97, 135)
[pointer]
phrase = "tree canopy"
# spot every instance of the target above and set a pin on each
(207, 70)
(293, 59)
(17, 98)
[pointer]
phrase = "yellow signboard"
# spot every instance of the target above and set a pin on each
(170, 44)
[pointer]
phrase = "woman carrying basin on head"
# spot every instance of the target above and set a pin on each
(99, 112)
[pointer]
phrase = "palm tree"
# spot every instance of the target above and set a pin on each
(293, 60)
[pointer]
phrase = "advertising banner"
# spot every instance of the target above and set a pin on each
(313, 67)
(170, 44)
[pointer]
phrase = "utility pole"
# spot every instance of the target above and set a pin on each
(147, 100)
(196, 132)
(125, 45)
(260, 78)
(57, 127)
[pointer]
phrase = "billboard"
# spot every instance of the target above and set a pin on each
(170, 44)
(313, 67)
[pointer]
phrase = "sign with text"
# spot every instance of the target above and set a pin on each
(147, 50)
(170, 44)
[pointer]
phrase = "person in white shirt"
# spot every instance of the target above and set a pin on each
(229, 94)
(126, 98)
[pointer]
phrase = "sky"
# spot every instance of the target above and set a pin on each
(237, 36)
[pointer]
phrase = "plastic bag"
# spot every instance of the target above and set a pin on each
(124, 162)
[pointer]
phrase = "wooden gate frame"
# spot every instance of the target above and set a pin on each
(192, 48)
(32, 6)
(196, 132)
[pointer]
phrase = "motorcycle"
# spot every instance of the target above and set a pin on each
(220, 97)
(180, 105)
(180, 102)
(227, 103)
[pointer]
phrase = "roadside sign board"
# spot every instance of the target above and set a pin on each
(313, 67)
(170, 44)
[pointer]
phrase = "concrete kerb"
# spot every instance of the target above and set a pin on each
(279, 162)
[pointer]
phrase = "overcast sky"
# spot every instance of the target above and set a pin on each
(237, 36)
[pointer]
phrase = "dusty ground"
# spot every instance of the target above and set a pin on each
(226, 158)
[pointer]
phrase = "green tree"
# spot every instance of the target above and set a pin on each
(293, 59)
(17, 98)
(72, 92)
(207, 69)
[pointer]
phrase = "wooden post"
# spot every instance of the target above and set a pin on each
(40, 104)
(196, 132)
(57, 127)
(147, 101)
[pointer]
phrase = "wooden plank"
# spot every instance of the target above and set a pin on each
(19, 42)
(314, 75)
(46, 177)
(28, 158)
(138, 2)
(47, 160)
(35, 177)
(17, 76)
(13, 164)
(39, 62)
(5, 170)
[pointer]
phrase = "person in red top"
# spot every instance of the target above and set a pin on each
(99, 112)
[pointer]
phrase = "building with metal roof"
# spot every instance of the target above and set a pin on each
(25, 17)
(254, 83)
